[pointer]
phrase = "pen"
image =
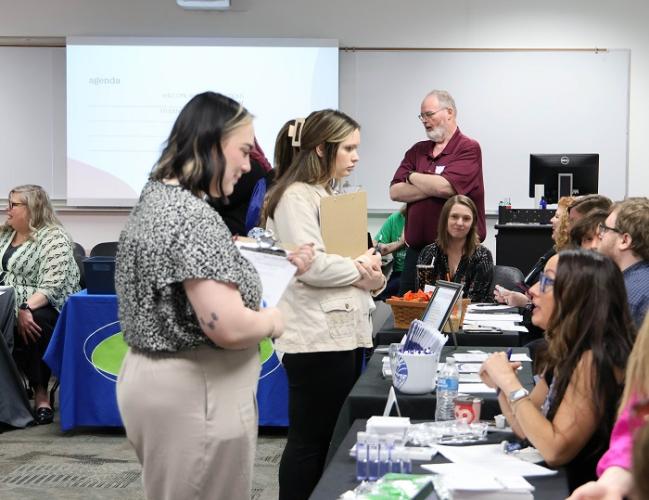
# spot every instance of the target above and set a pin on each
(509, 354)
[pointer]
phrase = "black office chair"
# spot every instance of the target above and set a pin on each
(105, 249)
(77, 249)
(508, 277)
(82, 273)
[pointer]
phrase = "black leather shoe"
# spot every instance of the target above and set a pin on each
(44, 415)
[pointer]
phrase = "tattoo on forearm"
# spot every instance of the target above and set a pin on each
(211, 323)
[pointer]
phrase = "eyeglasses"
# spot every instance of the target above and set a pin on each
(602, 228)
(545, 282)
(12, 204)
(429, 114)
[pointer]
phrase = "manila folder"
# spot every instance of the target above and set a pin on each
(343, 222)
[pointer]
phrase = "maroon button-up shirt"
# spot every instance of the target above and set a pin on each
(461, 165)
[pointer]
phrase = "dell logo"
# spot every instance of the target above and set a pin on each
(564, 160)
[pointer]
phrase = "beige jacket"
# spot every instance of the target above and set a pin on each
(322, 310)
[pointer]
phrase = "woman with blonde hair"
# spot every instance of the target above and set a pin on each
(327, 309)
(38, 262)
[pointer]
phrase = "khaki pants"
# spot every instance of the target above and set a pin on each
(192, 418)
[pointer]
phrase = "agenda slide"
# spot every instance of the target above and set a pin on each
(123, 95)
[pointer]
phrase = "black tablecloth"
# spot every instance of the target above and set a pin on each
(370, 393)
(388, 334)
(14, 406)
(340, 474)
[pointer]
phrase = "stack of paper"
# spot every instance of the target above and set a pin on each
(492, 458)
(457, 482)
(489, 321)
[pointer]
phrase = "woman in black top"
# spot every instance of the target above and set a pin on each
(580, 301)
(457, 254)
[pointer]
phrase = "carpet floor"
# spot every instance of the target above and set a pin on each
(42, 462)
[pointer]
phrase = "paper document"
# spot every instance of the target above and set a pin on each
(520, 356)
(479, 388)
(474, 317)
(480, 479)
(492, 458)
(465, 357)
(491, 308)
(468, 367)
(275, 272)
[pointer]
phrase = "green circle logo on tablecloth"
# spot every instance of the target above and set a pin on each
(107, 355)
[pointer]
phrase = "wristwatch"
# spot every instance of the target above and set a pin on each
(518, 394)
(24, 306)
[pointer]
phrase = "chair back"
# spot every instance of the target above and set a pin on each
(508, 277)
(105, 249)
(82, 273)
(77, 249)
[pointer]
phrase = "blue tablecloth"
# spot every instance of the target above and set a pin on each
(85, 354)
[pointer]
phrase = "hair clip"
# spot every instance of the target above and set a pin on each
(295, 132)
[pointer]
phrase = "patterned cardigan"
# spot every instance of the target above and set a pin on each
(44, 263)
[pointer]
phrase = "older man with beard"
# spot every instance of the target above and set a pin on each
(432, 171)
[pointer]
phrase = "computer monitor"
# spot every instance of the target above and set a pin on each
(564, 175)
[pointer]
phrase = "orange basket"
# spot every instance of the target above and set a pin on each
(404, 311)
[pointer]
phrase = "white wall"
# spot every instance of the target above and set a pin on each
(376, 23)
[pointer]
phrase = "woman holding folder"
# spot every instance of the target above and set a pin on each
(327, 309)
(580, 302)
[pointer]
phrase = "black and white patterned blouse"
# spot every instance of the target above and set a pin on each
(171, 236)
(44, 263)
(475, 272)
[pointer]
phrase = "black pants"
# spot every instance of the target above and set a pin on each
(29, 357)
(409, 273)
(318, 385)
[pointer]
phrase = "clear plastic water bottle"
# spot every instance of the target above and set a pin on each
(447, 386)
(373, 448)
(361, 456)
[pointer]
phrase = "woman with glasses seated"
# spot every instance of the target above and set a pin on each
(457, 254)
(614, 468)
(580, 302)
(38, 262)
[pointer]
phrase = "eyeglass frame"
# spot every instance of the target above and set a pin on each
(427, 115)
(545, 281)
(11, 204)
(603, 229)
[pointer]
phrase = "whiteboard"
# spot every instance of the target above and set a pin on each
(512, 102)
(32, 118)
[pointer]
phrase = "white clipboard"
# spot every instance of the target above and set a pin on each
(274, 269)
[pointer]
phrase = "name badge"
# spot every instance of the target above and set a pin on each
(439, 169)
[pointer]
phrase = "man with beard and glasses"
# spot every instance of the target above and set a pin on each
(446, 164)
